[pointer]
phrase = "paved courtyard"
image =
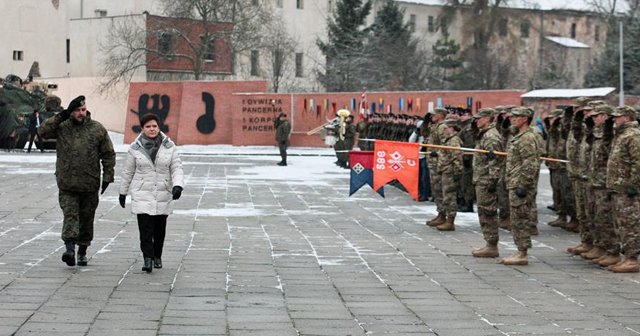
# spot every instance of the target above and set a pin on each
(257, 249)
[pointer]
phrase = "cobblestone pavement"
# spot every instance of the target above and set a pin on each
(257, 249)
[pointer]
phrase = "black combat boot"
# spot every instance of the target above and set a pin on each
(148, 265)
(69, 256)
(82, 255)
(157, 263)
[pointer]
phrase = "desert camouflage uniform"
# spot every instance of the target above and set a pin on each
(450, 169)
(623, 173)
(523, 164)
(79, 151)
(487, 171)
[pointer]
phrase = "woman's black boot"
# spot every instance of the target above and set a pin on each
(157, 263)
(148, 265)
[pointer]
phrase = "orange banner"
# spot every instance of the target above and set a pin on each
(396, 161)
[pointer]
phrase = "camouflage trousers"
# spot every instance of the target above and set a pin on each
(467, 191)
(450, 194)
(488, 213)
(503, 200)
(436, 187)
(533, 212)
(520, 216)
(78, 209)
(627, 218)
(581, 214)
(604, 230)
(563, 199)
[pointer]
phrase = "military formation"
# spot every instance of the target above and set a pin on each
(592, 151)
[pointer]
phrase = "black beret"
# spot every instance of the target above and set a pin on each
(75, 103)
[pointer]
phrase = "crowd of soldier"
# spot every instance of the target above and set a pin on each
(594, 194)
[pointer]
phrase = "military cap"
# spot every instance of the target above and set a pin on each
(583, 101)
(452, 123)
(504, 108)
(485, 112)
(521, 112)
(624, 111)
(75, 103)
(439, 110)
(606, 109)
(555, 113)
(595, 103)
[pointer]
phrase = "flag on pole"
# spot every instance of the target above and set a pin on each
(363, 106)
(396, 161)
(361, 163)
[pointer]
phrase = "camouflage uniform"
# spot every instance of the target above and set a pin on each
(534, 207)
(623, 181)
(574, 139)
(283, 128)
(468, 136)
(436, 136)
(79, 150)
(503, 126)
(486, 178)
(523, 164)
(556, 148)
(600, 206)
(450, 169)
(584, 188)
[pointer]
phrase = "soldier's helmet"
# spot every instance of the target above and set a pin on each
(624, 111)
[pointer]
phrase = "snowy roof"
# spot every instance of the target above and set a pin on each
(567, 42)
(579, 5)
(569, 93)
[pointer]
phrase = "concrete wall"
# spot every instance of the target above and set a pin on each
(243, 113)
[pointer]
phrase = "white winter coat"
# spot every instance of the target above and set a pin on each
(150, 184)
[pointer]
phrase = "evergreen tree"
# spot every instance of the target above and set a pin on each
(394, 60)
(345, 48)
(446, 63)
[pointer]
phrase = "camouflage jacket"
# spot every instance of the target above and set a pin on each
(436, 137)
(597, 173)
(583, 163)
(572, 147)
(450, 161)
(484, 169)
(556, 147)
(623, 167)
(79, 151)
(283, 128)
(523, 161)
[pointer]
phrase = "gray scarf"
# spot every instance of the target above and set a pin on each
(151, 146)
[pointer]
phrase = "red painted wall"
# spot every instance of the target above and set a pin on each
(244, 113)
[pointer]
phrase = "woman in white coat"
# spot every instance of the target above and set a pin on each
(153, 177)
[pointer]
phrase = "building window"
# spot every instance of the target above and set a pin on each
(278, 59)
(17, 55)
(412, 23)
(299, 72)
(255, 62)
(573, 30)
(68, 51)
(430, 24)
(299, 4)
(503, 26)
(166, 41)
(597, 33)
(209, 48)
(524, 28)
(279, 3)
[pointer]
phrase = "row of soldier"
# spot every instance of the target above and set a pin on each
(594, 193)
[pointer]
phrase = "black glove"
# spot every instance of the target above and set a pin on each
(433, 154)
(521, 192)
(632, 192)
(492, 186)
(491, 155)
(122, 200)
(467, 161)
(104, 187)
(176, 192)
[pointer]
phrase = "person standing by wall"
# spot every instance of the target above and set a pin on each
(35, 119)
(82, 144)
(153, 176)
(283, 129)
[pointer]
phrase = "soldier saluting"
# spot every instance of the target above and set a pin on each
(82, 145)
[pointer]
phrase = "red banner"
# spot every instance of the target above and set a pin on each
(396, 160)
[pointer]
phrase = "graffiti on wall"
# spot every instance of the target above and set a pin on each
(160, 107)
(259, 114)
(206, 123)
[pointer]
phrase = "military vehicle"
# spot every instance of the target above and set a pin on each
(17, 102)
